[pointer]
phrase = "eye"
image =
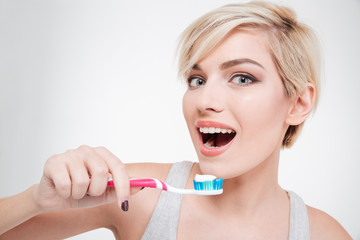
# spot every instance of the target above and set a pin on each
(243, 79)
(195, 81)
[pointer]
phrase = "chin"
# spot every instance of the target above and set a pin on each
(226, 167)
(216, 168)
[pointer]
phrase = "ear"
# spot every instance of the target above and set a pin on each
(301, 106)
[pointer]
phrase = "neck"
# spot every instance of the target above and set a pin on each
(254, 191)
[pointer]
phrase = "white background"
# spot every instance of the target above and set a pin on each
(103, 73)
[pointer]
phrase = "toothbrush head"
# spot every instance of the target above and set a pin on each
(208, 184)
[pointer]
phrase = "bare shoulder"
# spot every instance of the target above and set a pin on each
(323, 226)
(132, 224)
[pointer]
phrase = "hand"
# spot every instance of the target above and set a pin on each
(66, 180)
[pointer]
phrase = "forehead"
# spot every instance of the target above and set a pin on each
(238, 44)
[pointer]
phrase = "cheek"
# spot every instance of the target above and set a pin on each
(186, 106)
(262, 116)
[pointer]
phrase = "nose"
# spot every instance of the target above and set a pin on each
(211, 98)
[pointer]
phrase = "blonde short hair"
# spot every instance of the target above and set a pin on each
(293, 45)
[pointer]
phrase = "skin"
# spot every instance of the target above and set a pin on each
(253, 205)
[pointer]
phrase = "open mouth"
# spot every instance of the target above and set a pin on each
(216, 137)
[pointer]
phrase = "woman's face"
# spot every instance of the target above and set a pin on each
(235, 106)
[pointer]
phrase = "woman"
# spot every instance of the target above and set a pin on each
(252, 74)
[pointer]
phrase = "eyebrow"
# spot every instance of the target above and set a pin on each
(239, 61)
(232, 63)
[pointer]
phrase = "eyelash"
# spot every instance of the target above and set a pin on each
(244, 76)
(189, 80)
(241, 75)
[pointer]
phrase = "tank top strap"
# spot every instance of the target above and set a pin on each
(299, 221)
(164, 221)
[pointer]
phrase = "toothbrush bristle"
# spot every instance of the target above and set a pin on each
(208, 185)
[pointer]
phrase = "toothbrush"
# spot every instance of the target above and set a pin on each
(203, 185)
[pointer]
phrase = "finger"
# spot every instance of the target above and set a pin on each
(98, 170)
(120, 176)
(79, 175)
(56, 171)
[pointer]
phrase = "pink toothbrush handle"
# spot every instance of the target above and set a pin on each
(144, 182)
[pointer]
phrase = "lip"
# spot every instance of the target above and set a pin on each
(200, 124)
(211, 152)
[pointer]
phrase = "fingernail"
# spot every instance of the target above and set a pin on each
(125, 205)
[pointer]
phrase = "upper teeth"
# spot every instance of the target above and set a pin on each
(214, 130)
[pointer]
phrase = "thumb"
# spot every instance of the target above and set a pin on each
(134, 190)
(88, 201)
(108, 196)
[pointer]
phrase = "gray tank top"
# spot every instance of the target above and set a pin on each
(164, 221)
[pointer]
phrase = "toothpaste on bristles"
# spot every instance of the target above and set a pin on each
(207, 183)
